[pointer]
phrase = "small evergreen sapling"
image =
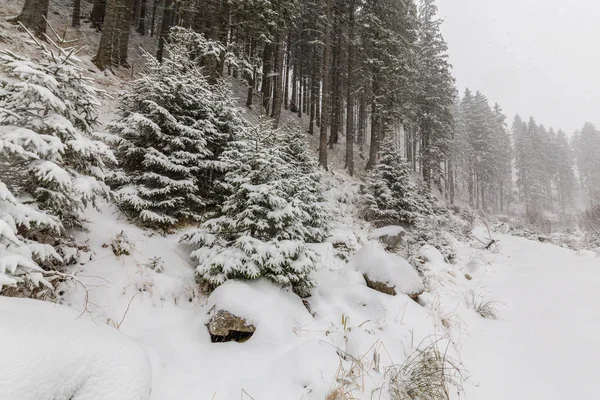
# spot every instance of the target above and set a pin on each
(273, 209)
(391, 195)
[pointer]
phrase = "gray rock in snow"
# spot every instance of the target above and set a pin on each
(225, 327)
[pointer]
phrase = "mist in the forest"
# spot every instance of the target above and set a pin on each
(534, 57)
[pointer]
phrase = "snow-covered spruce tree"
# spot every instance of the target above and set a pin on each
(172, 127)
(305, 182)
(391, 195)
(272, 211)
(48, 109)
(435, 94)
(19, 257)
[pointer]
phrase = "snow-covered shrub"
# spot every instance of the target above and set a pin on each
(273, 209)
(391, 195)
(48, 110)
(18, 255)
(172, 127)
(432, 231)
(157, 264)
(121, 245)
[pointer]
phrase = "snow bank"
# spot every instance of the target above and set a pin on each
(383, 267)
(48, 353)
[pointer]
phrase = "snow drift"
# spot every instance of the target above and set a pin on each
(48, 353)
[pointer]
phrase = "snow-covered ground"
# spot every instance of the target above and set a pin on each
(49, 352)
(542, 345)
(547, 338)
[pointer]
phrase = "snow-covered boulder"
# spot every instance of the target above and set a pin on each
(386, 272)
(432, 255)
(392, 236)
(49, 352)
(273, 311)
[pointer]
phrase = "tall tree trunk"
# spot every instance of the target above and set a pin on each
(426, 161)
(300, 96)
(124, 28)
(501, 196)
(314, 89)
(318, 105)
(451, 181)
(306, 92)
(350, 95)
(33, 16)
(286, 86)
(278, 92)
(362, 121)
(153, 21)
(294, 101)
(164, 28)
(267, 79)
(326, 98)
(115, 35)
(376, 126)
(251, 83)
(135, 8)
(482, 198)
(415, 143)
(141, 29)
(76, 16)
(336, 89)
(98, 12)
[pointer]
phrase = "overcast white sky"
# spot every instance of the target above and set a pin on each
(539, 58)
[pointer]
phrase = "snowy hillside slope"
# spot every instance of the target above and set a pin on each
(295, 353)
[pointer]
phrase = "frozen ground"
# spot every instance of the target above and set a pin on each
(546, 343)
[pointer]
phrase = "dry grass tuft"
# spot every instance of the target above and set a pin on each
(426, 375)
(483, 307)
